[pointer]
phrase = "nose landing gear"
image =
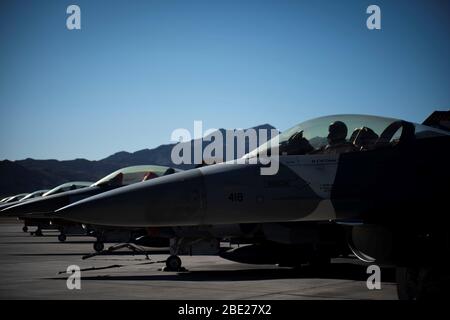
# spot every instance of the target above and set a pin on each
(177, 245)
(173, 263)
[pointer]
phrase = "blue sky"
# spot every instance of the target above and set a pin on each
(140, 69)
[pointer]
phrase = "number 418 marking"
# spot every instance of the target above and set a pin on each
(236, 197)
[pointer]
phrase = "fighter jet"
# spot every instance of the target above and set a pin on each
(12, 199)
(384, 179)
(28, 196)
(37, 212)
(68, 186)
(36, 196)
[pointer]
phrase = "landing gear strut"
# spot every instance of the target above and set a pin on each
(189, 246)
(173, 262)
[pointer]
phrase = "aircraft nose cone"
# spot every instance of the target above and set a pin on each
(156, 202)
(48, 205)
(99, 209)
(34, 206)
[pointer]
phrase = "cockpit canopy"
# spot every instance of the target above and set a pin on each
(34, 194)
(346, 133)
(130, 175)
(67, 187)
(5, 199)
(15, 198)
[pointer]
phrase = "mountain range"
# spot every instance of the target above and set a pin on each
(30, 174)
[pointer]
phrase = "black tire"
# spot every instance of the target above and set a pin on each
(173, 263)
(38, 233)
(99, 246)
(62, 237)
(25, 229)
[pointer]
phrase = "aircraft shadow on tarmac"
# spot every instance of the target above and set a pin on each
(51, 242)
(117, 253)
(46, 254)
(340, 271)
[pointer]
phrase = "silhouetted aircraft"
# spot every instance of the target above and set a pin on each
(13, 199)
(36, 212)
(36, 196)
(384, 180)
(29, 196)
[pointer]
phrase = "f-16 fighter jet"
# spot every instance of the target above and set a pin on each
(68, 186)
(37, 212)
(33, 195)
(37, 195)
(12, 200)
(386, 179)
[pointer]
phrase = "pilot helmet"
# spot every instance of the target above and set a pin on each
(337, 132)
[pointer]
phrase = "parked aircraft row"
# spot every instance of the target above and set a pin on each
(379, 190)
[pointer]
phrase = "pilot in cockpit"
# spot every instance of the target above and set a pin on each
(337, 143)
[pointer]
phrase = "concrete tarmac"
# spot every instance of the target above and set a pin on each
(34, 268)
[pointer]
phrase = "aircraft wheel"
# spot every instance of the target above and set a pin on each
(62, 237)
(422, 283)
(25, 229)
(173, 263)
(38, 233)
(99, 246)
